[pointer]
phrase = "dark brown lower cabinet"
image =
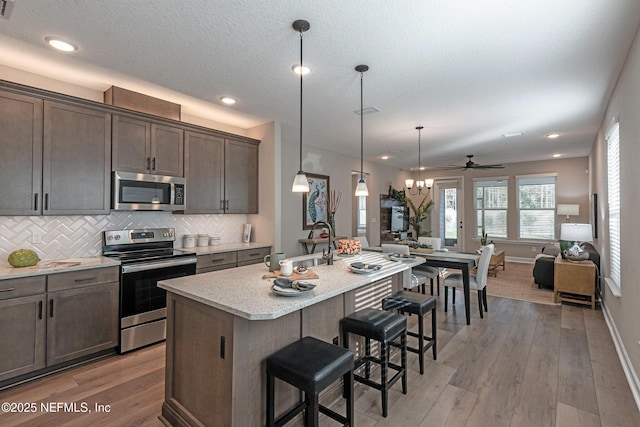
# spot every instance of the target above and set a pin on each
(49, 320)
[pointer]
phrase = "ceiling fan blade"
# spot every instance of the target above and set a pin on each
(489, 166)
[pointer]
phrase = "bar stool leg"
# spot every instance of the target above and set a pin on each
(403, 358)
(313, 410)
(270, 401)
(384, 357)
(433, 334)
(367, 352)
(348, 389)
(446, 298)
(421, 342)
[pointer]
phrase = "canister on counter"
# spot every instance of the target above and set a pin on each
(188, 241)
(214, 241)
(203, 240)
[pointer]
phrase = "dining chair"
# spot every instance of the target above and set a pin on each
(427, 271)
(417, 280)
(477, 281)
(364, 243)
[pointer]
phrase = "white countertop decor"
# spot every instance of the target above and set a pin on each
(227, 247)
(243, 292)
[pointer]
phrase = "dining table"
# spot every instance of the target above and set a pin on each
(462, 261)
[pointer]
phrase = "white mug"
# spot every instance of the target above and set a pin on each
(286, 268)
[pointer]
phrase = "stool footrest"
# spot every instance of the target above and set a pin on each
(334, 415)
(291, 414)
(379, 386)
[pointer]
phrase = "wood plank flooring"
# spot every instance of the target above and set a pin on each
(524, 364)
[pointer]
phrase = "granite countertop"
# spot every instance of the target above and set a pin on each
(243, 292)
(227, 247)
(57, 266)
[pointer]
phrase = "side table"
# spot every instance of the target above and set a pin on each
(497, 260)
(574, 282)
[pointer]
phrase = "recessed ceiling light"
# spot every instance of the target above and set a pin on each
(512, 134)
(296, 69)
(384, 157)
(227, 100)
(60, 44)
(553, 135)
(557, 155)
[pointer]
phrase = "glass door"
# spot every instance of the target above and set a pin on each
(449, 209)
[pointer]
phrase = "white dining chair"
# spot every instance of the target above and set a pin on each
(416, 280)
(364, 243)
(427, 271)
(477, 281)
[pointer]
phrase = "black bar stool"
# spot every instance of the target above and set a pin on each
(310, 365)
(415, 303)
(384, 327)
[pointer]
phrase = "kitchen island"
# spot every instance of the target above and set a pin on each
(221, 326)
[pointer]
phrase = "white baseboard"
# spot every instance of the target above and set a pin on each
(627, 367)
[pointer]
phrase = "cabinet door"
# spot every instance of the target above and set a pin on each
(241, 177)
(167, 149)
(76, 160)
(22, 328)
(81, 321)
(131, 145)
(204, 167)
(21, 160)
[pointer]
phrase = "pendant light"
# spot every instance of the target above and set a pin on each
(420, 184)
(300, 183)
(361, 188)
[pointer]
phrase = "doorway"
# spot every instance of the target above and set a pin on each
(449, 209)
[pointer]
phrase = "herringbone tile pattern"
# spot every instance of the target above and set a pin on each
(80, 236)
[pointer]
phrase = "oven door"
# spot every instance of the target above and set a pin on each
(141, 300)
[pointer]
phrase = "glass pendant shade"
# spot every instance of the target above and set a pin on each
(361, 188)
(408, 183)
(300, 183)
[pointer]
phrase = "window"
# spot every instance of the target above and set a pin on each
(613, 190)
(536, 207)
(491, 207)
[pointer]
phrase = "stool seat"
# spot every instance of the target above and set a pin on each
(415, 303)
(409, 302)
(375, 324)
(310, 364)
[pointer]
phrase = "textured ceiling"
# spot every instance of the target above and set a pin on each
(468, 71)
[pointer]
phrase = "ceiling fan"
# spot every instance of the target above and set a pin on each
(473, 165)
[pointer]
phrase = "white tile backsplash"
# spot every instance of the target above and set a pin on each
(79, 236)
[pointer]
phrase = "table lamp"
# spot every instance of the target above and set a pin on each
(568, 210)
(575, 233)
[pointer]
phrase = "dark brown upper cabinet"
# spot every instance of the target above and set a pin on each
(145, 147)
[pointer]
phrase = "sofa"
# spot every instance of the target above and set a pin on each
(544, 264)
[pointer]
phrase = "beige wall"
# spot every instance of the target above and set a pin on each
(622, 312)
(572, 186)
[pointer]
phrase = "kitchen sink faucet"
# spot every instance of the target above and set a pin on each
(329, 254)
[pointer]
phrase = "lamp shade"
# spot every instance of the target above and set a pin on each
(576, 232)
(568, 209)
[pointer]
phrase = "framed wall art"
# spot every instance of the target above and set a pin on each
(314, 203)
(594, 215)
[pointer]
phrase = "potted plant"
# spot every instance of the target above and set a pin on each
(420, 213)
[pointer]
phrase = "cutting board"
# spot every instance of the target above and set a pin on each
(294, 276)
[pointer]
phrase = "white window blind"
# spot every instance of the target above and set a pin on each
(491, 206)
(536, 207)
(613, 189)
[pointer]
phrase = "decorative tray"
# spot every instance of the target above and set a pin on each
(400, 257)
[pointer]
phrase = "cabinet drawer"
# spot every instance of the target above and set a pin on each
(252, 256)
(214, 260)
(13, 288)
(77, 279)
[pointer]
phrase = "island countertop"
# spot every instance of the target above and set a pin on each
(243, 292)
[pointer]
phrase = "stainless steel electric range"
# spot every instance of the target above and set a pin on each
(146, 256)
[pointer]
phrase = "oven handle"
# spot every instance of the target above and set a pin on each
(157, 264)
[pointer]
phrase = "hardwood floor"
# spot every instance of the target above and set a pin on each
(524, 364)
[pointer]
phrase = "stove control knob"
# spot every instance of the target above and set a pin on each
(117, 237)
(109, 237)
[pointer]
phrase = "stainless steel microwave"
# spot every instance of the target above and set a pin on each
(145, 192)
